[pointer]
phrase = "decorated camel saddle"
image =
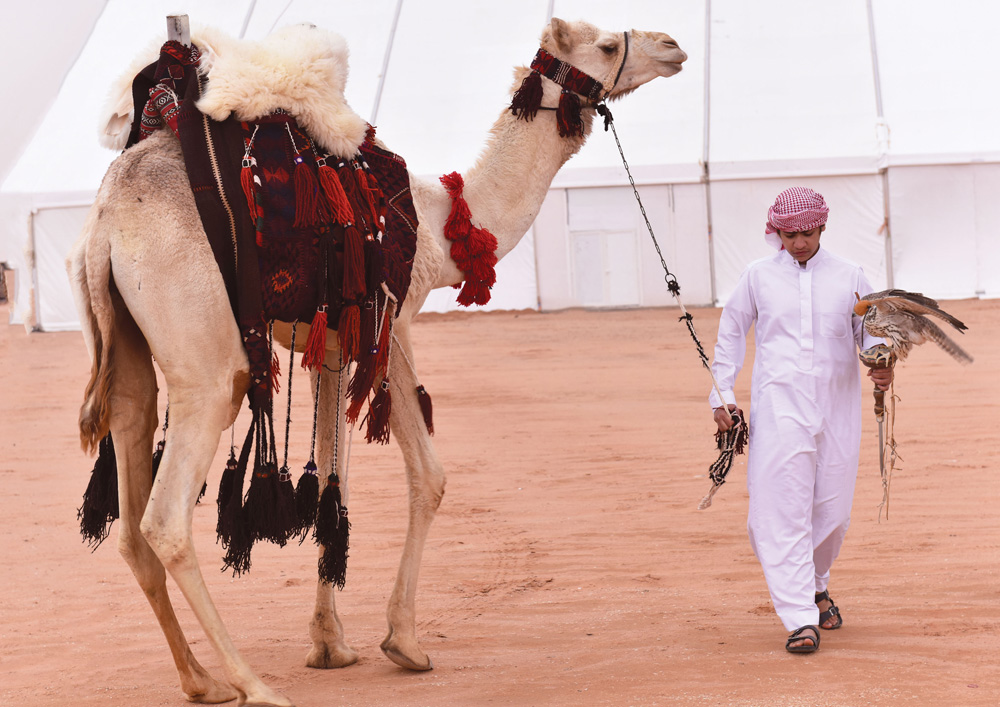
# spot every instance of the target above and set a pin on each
(310, 220)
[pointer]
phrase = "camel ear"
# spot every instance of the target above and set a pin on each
(562, 35)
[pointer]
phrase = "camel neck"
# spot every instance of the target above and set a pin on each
(506, 187)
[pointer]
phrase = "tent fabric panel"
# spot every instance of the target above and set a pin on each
(939, 74)
(678, 217)
(854, 230)
(55, 230)
(30, 29)
(791, 80)
(65, 154)
(576, 228)
(944, 233)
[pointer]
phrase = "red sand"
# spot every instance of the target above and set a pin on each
(568, 564)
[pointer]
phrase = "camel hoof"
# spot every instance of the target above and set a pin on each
(411, 658)
(219, 692)
(336, 657)
(273, 699)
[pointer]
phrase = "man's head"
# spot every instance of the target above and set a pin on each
(795, 222)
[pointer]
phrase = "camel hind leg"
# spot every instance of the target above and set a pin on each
(133, 422)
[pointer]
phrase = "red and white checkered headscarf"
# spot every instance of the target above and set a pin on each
(796, 209)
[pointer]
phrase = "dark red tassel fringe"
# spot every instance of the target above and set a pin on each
(246, 181)
(354, 286)
(378, 414)
(100, 500)
(336, 200)
(307, 499)
(315, 351)
(308, 206)
(348, 331)
(426, 408)
(333, 531)
(528, 98)
(568, 115)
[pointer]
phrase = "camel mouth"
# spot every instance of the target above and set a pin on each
(670, 68)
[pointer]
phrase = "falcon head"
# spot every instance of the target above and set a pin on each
(861, 308)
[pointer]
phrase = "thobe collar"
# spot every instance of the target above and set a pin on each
(786, 258)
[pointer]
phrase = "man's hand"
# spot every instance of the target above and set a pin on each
(881, 377)
(724, 419)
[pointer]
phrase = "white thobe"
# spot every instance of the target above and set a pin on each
(805, 416)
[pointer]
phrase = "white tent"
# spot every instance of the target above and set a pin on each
(885, 106)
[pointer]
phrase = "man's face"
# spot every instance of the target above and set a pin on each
(801, 245)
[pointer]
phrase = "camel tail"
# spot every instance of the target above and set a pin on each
(89, 268)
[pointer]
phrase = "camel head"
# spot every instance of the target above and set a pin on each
(599, 54)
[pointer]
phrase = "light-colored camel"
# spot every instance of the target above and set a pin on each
(146, 283)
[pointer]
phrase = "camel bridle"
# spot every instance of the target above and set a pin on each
(579, 90)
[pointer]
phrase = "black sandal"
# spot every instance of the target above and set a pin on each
(796, 635)
(832, 612)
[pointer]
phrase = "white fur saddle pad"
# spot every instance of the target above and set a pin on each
(301, 69)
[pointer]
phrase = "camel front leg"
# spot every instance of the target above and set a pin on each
(133, 424)
(425, 479)
(329, 649)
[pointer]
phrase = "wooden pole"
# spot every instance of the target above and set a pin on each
(178, 29)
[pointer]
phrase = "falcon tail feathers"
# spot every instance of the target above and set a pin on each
(933, 332)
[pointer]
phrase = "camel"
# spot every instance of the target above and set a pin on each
(147, 287)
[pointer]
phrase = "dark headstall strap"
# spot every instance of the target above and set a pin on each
(566, 75)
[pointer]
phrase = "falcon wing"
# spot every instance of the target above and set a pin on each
(916, 303)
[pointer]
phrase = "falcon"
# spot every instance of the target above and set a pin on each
(901, 318)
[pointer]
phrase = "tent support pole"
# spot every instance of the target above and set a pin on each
(706, 135)
(882, 136)
(385, 61)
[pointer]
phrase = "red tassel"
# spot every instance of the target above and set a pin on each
(371, 193)
(378, 414)
(472, 248)
(348, 331)
(384, 342)
(482, 243)
(353, 286)
(426, 408)
(360, 386)
(528, 98)
(246, 181)
(568, 115)
(333, 190)
(275, 372)
(307, 203)
(315, 351)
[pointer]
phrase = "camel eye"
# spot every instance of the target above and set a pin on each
(609, 49)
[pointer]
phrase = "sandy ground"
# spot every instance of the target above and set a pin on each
(568, 564)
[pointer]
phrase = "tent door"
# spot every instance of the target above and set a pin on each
(605, 268)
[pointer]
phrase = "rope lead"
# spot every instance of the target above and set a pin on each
(733, 441)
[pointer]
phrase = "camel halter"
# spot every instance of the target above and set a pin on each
(527, 100)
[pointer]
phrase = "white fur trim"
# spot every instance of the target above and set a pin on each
(301, 69)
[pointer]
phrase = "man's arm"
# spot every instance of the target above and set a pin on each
(738, 316)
